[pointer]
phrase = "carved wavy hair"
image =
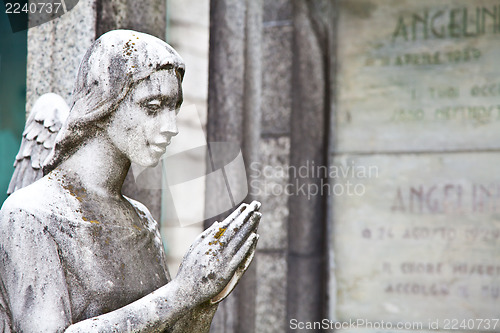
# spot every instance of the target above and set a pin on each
(112, 66)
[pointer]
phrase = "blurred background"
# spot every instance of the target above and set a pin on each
(370, 132)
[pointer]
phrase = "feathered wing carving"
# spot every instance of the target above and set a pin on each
(44, 122)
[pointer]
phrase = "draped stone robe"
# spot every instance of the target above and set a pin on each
(58, 267)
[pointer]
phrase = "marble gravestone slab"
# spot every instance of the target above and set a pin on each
(418, 75)
(418, 238)
(415, 229)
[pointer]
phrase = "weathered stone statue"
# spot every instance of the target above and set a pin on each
(76, 255)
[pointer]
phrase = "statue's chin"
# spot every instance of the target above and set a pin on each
(139, 166)
(153, 164)
(148, 161)
(146, 164)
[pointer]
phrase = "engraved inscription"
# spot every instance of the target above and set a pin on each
(422, 242)
(418, 96)
(423, 71)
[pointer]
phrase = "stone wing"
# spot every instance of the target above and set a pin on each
(45, 120)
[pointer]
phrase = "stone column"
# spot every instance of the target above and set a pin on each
(56, 48)
(225, 107)
(312, 100)
(281, 119)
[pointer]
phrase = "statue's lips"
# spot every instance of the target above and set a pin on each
(160, 147)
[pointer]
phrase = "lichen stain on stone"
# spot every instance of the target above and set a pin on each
(220, 233)
(128, 48)
(89, 220)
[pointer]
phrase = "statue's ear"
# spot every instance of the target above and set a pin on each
(95, 127)
(100, 125)
(103, 122)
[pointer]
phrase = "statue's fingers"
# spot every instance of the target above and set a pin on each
(237, 234)
(244, 255)
(256, 204)
(248, 253)
(235, 214)
(241, 214)
(240, 236)
(229, 230)
(251, 225)
(249, 258)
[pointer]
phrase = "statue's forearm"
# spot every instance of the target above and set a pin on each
(152, 313)
(196, 320)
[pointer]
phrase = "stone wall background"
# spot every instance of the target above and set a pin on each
(429, 173)
(285, 81)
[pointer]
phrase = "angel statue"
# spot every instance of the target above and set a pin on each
(78, 256)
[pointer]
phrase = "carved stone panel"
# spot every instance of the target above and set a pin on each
(418, 75)
(417, 237)
(415, 192)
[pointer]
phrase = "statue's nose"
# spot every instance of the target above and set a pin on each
(169, 124)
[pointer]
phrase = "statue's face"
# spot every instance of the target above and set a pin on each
(144, 123)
